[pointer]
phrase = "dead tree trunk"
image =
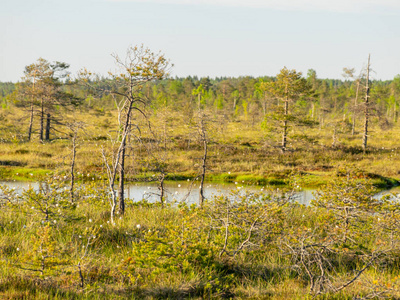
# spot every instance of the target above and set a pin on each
(71, 188)
(126, 129)
(161, 187)
(365, 136)
(121, 187)
(285, 125)
(111, 174)
(204, 160)
(41, 120)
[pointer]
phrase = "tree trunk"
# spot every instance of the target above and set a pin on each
(113, 204)
(365, 136)
(285, 125)
(203, 173)
(41, 121)
(48, 120)
(30, 123)
(204, 161)
(162, 189)
(121, 194)
(71, 188)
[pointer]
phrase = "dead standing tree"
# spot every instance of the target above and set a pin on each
(203, 138)
(139, 66)
(201, 126)
(366, 103)
(74, 128)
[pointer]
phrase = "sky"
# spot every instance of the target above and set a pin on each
(204, 37)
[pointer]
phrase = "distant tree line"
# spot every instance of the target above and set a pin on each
(45, 92)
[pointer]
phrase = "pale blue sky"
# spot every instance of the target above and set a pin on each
(204, 37)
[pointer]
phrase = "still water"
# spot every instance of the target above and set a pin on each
(176, 190)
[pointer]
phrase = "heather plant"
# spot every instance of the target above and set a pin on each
(81, 254)
(352, 203)
(44, 256)
(182, 248)
(343, 243)
(243, 222)
(387, 222)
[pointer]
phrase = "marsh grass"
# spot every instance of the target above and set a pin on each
(239, 149)
(175, 252)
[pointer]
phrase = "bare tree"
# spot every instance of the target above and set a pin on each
(366, 103)
(74, 127)
(139, 66)
(158, 147)
(201, 127)
(203, 138)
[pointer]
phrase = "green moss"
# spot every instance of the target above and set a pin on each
(223, 177)
(384, 182)
(22, 174)
(260, 180)
(313, 180)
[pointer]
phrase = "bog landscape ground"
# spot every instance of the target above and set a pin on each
(73, 238)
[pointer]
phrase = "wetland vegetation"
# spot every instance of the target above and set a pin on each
(77, 237)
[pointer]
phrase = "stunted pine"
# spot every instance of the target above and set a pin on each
(288, 87)
(139, 66)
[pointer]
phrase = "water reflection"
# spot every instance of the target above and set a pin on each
(175, 190)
